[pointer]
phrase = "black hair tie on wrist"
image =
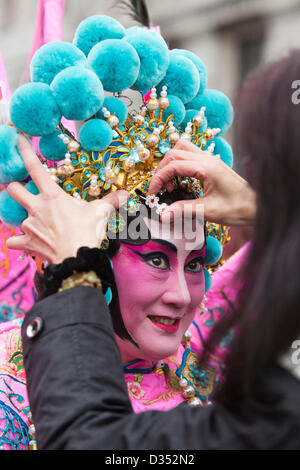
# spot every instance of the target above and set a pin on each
(87, 259)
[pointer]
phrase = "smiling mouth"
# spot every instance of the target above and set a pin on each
(169, 325)
(163, 320)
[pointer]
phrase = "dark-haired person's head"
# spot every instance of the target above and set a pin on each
(267, 141)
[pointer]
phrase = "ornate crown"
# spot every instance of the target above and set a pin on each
(116, 147)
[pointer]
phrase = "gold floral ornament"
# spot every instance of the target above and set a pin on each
(131, 159)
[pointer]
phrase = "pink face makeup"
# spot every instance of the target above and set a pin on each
(160, 285)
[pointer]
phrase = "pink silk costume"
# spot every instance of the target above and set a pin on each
(149, 387)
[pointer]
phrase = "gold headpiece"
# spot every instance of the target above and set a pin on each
(132, 157)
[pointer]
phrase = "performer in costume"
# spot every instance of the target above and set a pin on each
(116, 150)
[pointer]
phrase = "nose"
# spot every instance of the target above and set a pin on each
(176, 291)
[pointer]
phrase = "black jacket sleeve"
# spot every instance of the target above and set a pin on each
(78, 395)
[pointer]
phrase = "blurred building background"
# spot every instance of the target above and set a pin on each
(231, 36)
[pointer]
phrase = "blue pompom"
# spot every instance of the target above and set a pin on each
(154, 58)
(12, 167)
(116, 63)
(207, 279)
(198, 63)
(34, 110)
(190, 113)
(114, 106)
(219, 110)
(52, 147)
(11, 212)
(213, 251)
(96, 135)
(176, 108)
(52, 58)
(78, 92)
(95, 29)
(182, 78)
(223, 149)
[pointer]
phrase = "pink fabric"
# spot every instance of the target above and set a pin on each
(4, 85)
(16, 279)
(16, 276)
(148, 388)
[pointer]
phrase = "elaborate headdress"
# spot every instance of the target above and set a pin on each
(117, 146)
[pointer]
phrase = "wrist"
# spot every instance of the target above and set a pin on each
(247, 210)
(87, 259)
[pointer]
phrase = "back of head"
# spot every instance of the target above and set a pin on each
(268, 141)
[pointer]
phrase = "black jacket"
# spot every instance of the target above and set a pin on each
(79, 400)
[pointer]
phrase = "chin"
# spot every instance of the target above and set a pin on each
(158, 354)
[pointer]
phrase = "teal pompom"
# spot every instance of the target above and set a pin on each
(12, 167)
(207, 279)
(11, 212)
(78, 92)
(116, 63)
(198, 63)
(154, 58)
(213, 251)
(95, 29)
(175, 108)
(190, 113)
(182, 78)
(219, 110)
(52, 58)
(52, 147)
(33, 109)
(96, 135)
(223, 148)
(114, 106)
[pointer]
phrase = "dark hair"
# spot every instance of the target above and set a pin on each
(114, 245)
(266, 318)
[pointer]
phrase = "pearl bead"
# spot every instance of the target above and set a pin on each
(187, 336)
(128, 165)
(174, 137)
(209, 133)
(73, 146)
(163, 102)
(152, 140)
(198, 120)
(140, 120)
(144, 154)
(152, 104)
(195, 402)
(113, 121)
(94, 190)
(183, 383)
(189, 392)
(31, 431)
(69, 170)
(66, 140)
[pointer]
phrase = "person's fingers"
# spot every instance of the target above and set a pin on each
(18, 242)
(184, 144)
(112, 202)
(188, 208)
(20, 194)
(39, 175)
(176, 168)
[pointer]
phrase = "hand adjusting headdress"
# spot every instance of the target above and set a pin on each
(116, 147)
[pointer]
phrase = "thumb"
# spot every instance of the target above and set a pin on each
(112, 202)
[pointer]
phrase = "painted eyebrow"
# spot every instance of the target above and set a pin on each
(165, 243)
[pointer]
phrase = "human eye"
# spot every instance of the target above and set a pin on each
(194, 266)
(157, 260)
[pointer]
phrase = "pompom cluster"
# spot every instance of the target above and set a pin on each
(76, 81)
(71, 80)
